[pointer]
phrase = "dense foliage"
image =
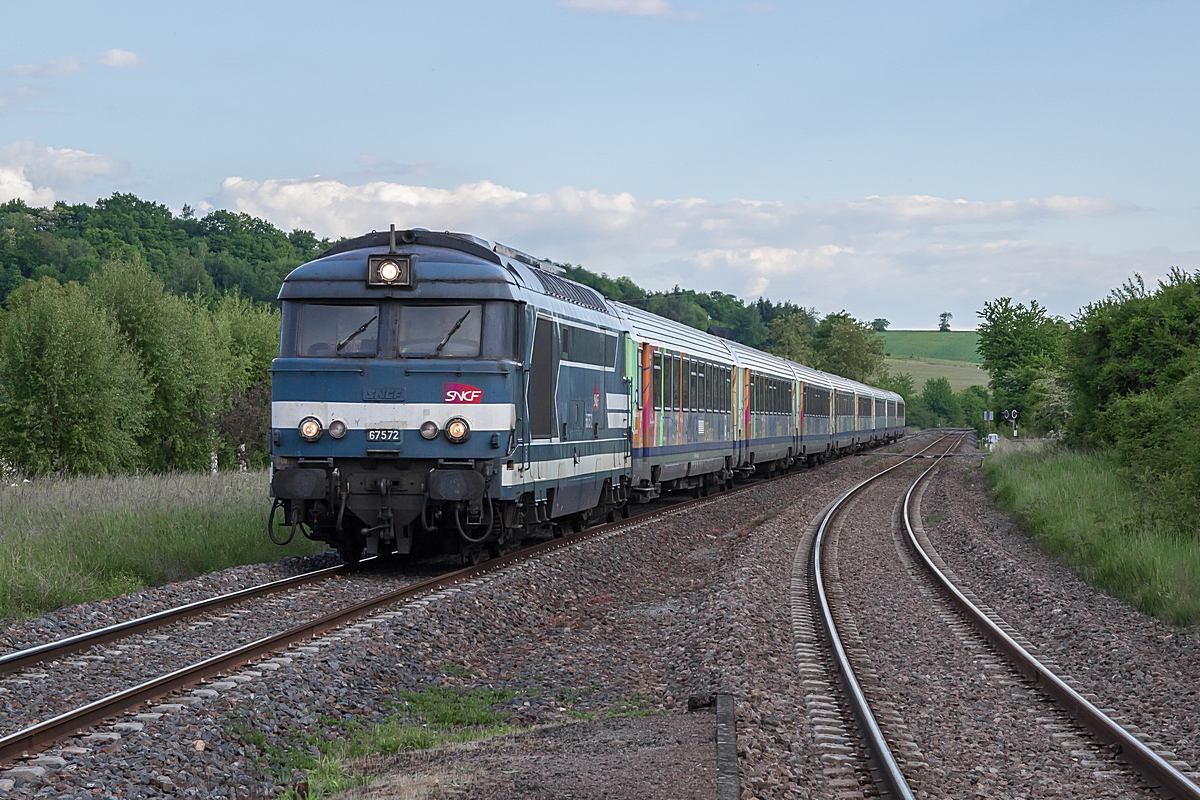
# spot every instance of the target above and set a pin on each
(219, 252)
(1132, 365)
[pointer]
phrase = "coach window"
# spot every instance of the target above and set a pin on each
(689, 375)
(694, 399)
(337, 331)
(656, 382)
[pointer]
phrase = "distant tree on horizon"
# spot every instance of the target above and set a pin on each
(944, 321)
(880, 324)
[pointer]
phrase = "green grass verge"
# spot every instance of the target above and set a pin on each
(65, 541)
(947, 345)
(418, 720)
(1079, 508)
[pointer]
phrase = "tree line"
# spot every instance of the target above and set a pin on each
(135, 339)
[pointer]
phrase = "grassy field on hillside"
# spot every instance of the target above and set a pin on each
(960, 374)
(948, 346)
(1078, 507)
(65, 541)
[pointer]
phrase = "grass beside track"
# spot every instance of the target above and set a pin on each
(420, 720)
(1078, 508)
(74, 540)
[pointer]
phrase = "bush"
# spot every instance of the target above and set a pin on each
(72, 396)
(1156, 437)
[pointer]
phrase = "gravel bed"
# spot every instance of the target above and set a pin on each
(1146, 670)
(633, 622)
(49, 688)
(72, 620)
(672, 755)
(976, 727)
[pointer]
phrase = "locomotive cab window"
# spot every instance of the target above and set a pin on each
(439, 331)
(328, 331)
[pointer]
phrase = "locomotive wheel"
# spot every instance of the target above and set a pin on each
(351, 549)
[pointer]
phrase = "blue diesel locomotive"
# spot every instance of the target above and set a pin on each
(436, 392)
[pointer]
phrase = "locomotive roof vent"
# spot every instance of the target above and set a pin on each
(570, 291)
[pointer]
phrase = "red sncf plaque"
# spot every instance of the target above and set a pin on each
(461, 393)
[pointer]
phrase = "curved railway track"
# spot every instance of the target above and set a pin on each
(46, 732)
(885, 758)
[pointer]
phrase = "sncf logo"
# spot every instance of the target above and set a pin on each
(461, 393)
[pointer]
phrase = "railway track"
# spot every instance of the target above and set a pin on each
(891, 755)
(43, 733)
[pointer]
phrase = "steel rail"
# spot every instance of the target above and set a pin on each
(73, 644)
(888, 776)
(66, 724)
(1153, 767)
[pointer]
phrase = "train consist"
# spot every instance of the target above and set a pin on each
(436, 392)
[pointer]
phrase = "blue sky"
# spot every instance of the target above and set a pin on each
(893, 160)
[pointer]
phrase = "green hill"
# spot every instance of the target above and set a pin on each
(944, 346)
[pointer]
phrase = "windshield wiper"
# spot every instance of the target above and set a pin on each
(454, 330)
(350, 338)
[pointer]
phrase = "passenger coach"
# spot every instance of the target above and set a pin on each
(439, 392)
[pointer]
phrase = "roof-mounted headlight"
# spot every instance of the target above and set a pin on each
(310, 429)
(457, 430)
(390, 270)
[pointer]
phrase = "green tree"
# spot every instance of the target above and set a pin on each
(621, 289)
(791, 336)
(243, 414)
(973, 401)
(900, 383)
(1132, 342)
(939, 400)
(72, 397)
(944, 321)
(680, 306)
(1012, 336)
(183, 355)
(847, 347)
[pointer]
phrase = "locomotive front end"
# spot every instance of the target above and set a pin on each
(394, 397)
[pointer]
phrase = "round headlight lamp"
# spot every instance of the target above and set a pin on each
(429, 429)
(310, 429)
(457, 430)
(389, 271)
(337, 429)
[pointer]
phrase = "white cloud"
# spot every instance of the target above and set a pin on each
(903, 257)
(119, 58)
(627, 8)
(47, 69)
(39, 175)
